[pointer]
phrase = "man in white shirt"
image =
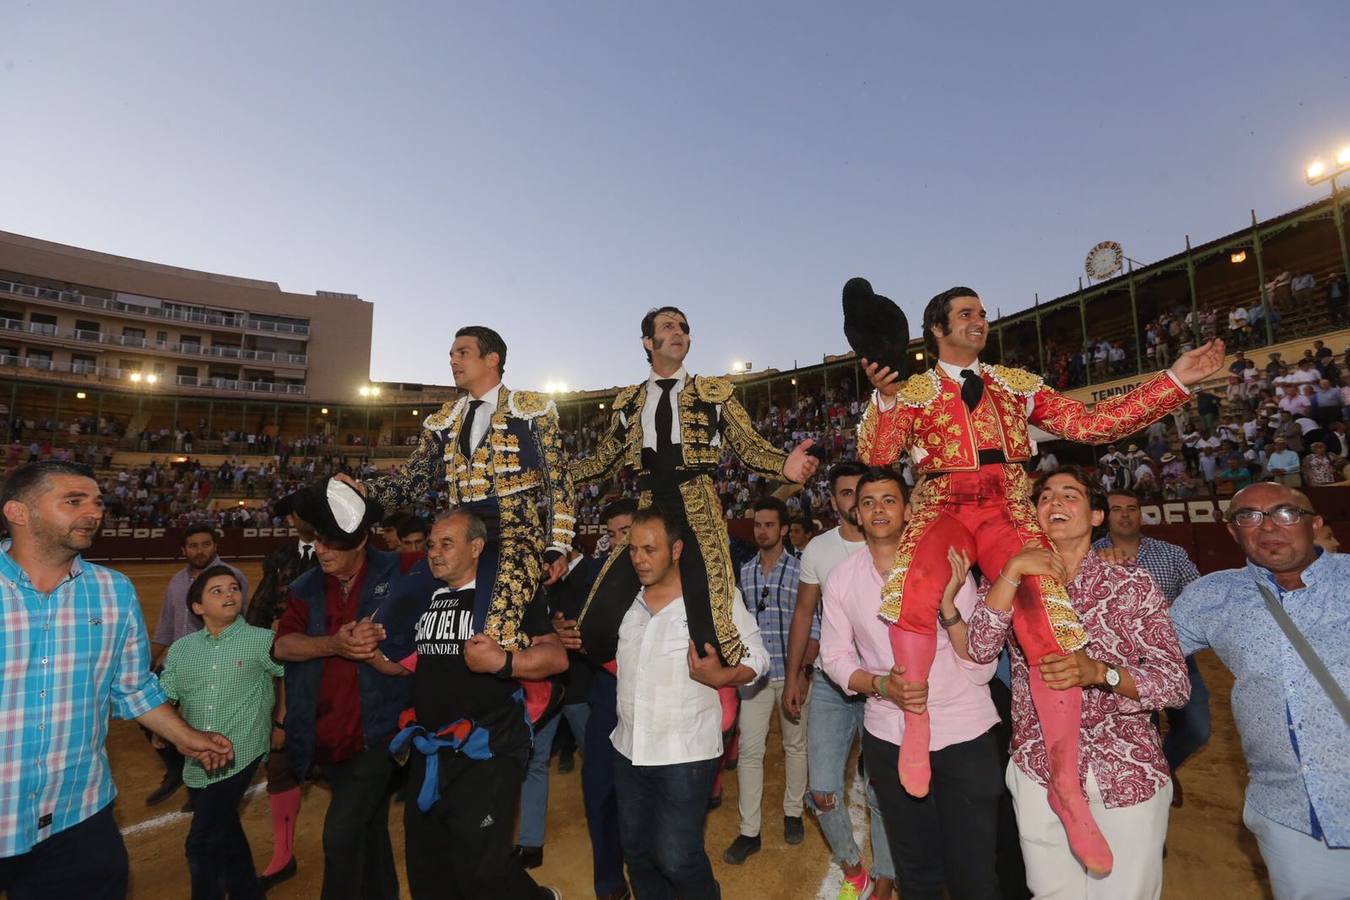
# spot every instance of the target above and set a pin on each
(669, 735)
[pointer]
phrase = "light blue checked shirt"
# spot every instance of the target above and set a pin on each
(771, 599)
(67, 659)
(1170, 565)
(1296, 744)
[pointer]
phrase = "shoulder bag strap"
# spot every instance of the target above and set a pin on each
(1309, 656)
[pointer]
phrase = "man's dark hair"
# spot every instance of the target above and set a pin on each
(1096, 494)
(649, 322)
(488, 340)
(774, 504)
(670, 520)
(624, 506)
(846, 469)
(808, 524)
(878, 475)
(393, 520)
(412, 525)
(32, 477)
(198, 586)
(1123, 492)
(199, 528)
(935, 315)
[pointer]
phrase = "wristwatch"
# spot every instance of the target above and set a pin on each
(1112, 678)
(504, 673)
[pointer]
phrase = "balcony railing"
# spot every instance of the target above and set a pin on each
(43, 364)
(124, 340)
(224, 320)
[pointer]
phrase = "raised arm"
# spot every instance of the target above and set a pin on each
(410, 482)
(756, 452)
(602, 462)
(562, 519)
(1111, 419)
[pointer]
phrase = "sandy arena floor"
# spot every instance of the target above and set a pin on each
(1209, 852)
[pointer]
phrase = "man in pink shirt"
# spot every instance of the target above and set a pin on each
(947, 839)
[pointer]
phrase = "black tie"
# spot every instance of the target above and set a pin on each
(465, 430)
(665, 418)
(972, 388)
(305, 552)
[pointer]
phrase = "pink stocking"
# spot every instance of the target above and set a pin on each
(914, 653)
(285, 807)
(1060, 714)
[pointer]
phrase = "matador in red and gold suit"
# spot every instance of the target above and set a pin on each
(965, 428)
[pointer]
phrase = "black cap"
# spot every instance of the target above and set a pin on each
(339, 513)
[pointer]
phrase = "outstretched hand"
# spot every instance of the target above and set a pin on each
(1194, 366)
(801, 465)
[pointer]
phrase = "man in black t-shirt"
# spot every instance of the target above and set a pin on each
(468, 736)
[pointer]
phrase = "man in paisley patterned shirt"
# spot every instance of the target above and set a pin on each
(965, 427)
(1129, 667)
(496, 452)
(671, 429)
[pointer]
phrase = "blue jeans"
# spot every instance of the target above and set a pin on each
(597, 785)
(662, 811)
(1188, 727)
(830, 728)
(534, 792)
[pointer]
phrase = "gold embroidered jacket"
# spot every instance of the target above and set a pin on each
(522, 451)
(709, 414)
(930, 416)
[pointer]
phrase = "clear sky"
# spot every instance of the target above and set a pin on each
(555, 169)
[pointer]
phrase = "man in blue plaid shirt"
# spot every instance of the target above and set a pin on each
(769, 584)
(1172, 569)
(73, 648)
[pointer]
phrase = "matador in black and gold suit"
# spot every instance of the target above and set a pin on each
(692, 416)
(518, 462)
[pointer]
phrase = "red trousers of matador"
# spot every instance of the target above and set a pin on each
(988, 514)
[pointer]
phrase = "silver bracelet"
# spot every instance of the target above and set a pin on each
(1015, 584)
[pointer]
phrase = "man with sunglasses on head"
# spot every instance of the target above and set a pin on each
(769, 582)
(1281, 624)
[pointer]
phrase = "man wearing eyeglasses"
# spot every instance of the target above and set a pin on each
(769, 582)
(1294, 738)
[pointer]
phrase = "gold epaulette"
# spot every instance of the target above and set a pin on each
(446, 416)
(713, 390)
(529, 404)
(920, 390)
(1017, 381)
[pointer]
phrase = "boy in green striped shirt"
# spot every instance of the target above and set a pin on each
(222, 678)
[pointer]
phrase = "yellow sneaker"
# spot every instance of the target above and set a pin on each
(850, 891)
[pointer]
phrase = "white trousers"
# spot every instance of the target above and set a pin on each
(1136, 835)
(758, 705)
(1301, 867)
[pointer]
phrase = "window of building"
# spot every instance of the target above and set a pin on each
(42, 323)
(86, 330)
(40, 359)
(82, 364)
(133, 337)
(187, 372)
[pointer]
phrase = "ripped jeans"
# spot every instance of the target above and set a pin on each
(834, 722)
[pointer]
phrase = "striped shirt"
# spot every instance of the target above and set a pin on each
(771, 599)
(67, 660)
(224, 684)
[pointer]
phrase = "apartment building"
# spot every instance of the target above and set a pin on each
(69, 315)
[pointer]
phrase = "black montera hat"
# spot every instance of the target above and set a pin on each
(339, 513)
(875, 327)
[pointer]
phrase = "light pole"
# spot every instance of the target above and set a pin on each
(1318, 172)
(368, 393)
